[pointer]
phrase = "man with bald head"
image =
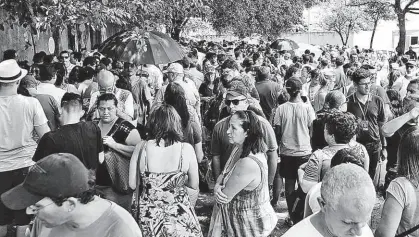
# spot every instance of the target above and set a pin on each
(347, 200)
(106, 81)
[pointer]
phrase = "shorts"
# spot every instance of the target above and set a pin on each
(288, 168)
(9, 180)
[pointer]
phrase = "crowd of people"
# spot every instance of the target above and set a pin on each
(92, 146)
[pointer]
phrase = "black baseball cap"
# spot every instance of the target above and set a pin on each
(58, 175)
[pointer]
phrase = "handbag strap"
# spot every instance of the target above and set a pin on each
(408, 232)
(138, 153)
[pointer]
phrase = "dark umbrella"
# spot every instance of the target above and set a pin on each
(284, 44)
(135, 47)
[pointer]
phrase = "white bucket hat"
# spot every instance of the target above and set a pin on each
(10, 71)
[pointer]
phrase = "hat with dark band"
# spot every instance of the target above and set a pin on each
(10, 71)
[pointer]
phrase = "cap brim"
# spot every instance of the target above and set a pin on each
(24, 73)
(18, 198)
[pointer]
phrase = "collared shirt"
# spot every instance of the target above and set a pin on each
(373, 112)
(52, 90)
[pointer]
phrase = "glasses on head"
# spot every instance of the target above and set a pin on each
(235, 102)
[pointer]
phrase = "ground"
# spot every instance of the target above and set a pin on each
(206, 202)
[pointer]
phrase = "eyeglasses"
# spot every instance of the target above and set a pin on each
(36, 209)
(365, 84)
(235, 102)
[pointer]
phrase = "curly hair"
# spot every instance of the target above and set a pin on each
(84, 197)
(175, 96)
(231, 64)
(164, 123)
(360, 74)
(254, 141)
(342, 125)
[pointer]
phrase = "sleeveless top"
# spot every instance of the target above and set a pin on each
(164, 206)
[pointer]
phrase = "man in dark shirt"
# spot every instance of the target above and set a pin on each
(268, 91)
(396, 128)
(412, 54)
(82, 139)
(369, 110)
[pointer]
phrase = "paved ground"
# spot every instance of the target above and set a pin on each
(206, 202)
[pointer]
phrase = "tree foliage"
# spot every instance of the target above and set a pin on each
(173, 14)
(401, 9)
(245, 17)
(343, 20)
(45, 14)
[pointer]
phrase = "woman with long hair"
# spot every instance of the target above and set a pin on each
(400, 213)
(242, 194)
(192, 133)
(162, 168)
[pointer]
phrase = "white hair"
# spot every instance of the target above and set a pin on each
(346, 179)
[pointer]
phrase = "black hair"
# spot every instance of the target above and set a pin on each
(89, 61)
(231, 64)
(347, 155)
(9, 54)
(254, 141)
(164, 123)
(71, 100)
(360, 74)
(107, 97)
(85, 73)
(175, 96)
(38, 58)
(342, 125)
(106, 61)
(46, 72)
(48, 59)
(84, 197)
(290, 72)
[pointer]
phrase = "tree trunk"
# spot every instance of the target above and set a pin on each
(176, 33)
(57, 39)
(341, 37)
(401, 18)
(373, 33)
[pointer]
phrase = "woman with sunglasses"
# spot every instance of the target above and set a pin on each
(242, 193)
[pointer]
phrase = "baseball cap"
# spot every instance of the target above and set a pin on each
(175, 67)
(410, 63)
(58, 175)
(237, 88)
(293, 85)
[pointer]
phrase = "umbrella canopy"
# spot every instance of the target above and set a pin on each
(284, 44)
(142, 48)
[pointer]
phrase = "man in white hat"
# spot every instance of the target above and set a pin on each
(176, 74)
(19, 116)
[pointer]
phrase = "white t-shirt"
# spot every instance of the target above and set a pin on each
(305, 228)
(114, 222)
(52, 90)
(19, 115)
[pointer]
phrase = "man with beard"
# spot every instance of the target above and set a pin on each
(237, 99)
(395, 128)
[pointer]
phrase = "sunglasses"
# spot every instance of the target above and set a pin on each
(235, 102)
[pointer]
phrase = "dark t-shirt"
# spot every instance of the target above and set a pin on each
(393, 145)
(268, 94)
(50, 107)
(82, 139)
(192, 134)
(119, 132)
(374, 114)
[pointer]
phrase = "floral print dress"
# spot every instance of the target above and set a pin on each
(165, 209)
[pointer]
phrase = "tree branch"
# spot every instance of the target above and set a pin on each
(412, 12)
(407, 7)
